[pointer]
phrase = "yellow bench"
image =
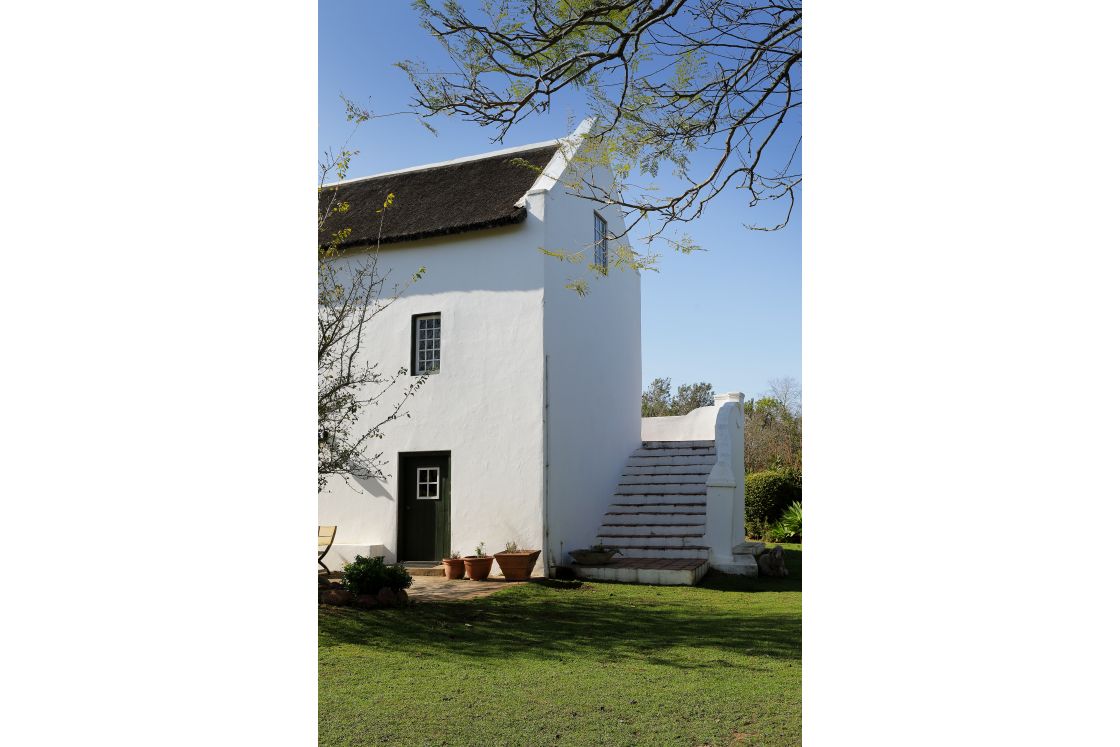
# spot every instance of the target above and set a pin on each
(326, 539)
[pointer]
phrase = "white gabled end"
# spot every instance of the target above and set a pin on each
(551, 173)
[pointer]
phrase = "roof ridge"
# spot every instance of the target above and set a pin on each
(442, 164)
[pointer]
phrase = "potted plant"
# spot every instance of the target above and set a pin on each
(453, 566)
(478, 565)
(595, 555)
(516, 565)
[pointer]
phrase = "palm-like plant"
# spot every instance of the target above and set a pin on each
(789, 526)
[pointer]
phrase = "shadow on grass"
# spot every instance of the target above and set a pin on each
(726, 582)
(559, 620)
(554, 583)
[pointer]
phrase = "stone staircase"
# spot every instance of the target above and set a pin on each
(658, 517)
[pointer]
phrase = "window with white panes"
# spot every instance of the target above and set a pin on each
(600, 242)
(425, 344)
(427, 483)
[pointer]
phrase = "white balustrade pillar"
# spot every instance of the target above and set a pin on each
(725, 483)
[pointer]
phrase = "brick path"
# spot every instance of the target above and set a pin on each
(436, 589)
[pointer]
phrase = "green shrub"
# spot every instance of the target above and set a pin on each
(397, 578)
(788, 528)
(768, 494)
(370, 575)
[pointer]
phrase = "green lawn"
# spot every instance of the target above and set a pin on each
(568, 664)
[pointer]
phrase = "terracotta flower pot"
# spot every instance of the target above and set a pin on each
(517, 565)
(453, 567)
(478, 568)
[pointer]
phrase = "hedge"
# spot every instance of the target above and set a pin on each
(768, 494)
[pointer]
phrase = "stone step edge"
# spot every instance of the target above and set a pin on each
(651, 497)
(654, 504)
(652, 453)
(684, 488)
(692, 535)
(697, 486)
(641, 524)
(663, 547)
(656, 513)
(692, 442)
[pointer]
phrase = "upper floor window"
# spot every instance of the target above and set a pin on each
(600, 243)
(425, 344)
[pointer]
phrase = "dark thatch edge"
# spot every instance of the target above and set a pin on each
(518, 216)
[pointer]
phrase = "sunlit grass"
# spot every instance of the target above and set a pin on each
(571, 664)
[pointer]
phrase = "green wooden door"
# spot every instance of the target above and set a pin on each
(424, 516)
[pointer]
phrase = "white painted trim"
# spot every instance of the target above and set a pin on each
(453, 161)
(428, 483)
(560, 160)
(417, 341)
(546, 550)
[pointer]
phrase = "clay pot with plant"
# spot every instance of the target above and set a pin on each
(453, 566)
(516, 564)
(595, 555)
(478, 565)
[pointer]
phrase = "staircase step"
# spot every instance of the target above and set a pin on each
(424, 568)
(622, 541)
(647, 530)
(671, 461)
(651, 518)
(678, 444)
(659, 571)
(689, 503)
(695, 479)
(662, 492)
(660, 551)
(659, 453)
(669, 469)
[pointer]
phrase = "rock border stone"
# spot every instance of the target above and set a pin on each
(335, 596)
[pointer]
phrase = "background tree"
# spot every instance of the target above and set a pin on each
(772, 428)
(669, 80)
(658, 400)
(353, 290)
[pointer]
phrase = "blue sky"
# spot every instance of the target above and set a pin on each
(730, 315)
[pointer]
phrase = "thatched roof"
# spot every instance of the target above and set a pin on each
(439, 200)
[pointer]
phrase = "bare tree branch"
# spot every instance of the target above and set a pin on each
(352, 292)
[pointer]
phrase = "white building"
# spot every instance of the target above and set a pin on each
(523, 432)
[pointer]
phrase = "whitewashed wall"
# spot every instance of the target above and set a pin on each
(594, 349)
(698, 425)
(505, 311)
(485, 404)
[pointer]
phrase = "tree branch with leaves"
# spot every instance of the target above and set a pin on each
(704, 86)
